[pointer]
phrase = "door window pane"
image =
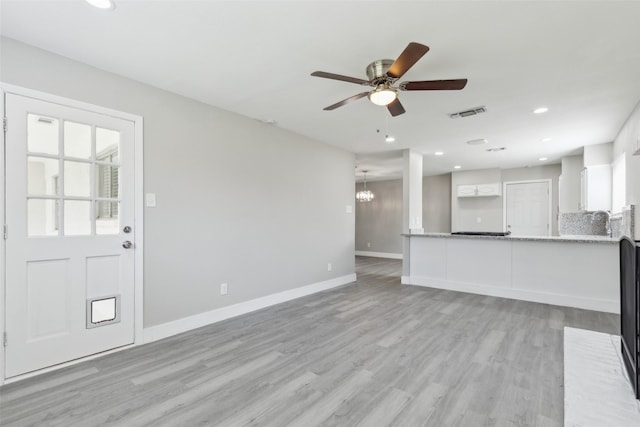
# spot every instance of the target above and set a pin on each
(107, 181)
(77, 140)
(77, 218)
(77, 179)
(42, 176)
(107, 145)
(42, 134)
(42, 217)
(107, 221)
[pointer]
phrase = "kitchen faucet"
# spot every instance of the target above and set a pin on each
(607, 223)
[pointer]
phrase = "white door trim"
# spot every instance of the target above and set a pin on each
(530, 181)
(138, 206)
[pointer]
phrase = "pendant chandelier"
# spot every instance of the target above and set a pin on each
(364, 195)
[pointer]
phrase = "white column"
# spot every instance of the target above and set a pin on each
(412, 192)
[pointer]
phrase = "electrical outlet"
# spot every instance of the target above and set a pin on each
(223, 289)
(329, 267)
(368, 244)
(479, 220)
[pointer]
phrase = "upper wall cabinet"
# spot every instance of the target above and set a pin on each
(596, 188)
(467, 190)
(479, 190)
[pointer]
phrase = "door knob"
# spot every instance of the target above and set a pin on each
(127, 244)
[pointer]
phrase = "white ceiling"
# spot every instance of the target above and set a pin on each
(579, 58)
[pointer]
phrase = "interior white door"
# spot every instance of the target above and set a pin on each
(527, 208)
(69, 212)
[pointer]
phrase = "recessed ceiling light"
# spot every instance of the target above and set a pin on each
(389, 139)
(102, 4)
(477, 141)
(438, 153)
(547, 139)
(540, 110)
(457, 167)
(542, 159)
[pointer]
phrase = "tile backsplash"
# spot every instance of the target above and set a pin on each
(623, 223)
(596, 223)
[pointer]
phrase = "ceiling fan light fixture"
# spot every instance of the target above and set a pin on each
(383, 95)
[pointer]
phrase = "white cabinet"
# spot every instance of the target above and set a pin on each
(489, 189)
(479, 190)
(595, 190)
(467, 190)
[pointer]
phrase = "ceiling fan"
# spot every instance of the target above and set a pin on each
(384, 73)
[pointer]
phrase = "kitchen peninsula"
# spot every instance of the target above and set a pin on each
(573, 271)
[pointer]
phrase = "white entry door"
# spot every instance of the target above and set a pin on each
(527, 208)
(69, 248)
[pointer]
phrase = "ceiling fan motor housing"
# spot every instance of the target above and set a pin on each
(376, 71)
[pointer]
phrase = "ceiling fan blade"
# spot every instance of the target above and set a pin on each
(396, 108)
(346, 101)
(409, 56)
(434, 85)
(339, 77)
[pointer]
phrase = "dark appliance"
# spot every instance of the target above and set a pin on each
(630, 309)
(482, 233)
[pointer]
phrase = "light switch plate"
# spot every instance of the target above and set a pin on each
(150, 200)
(349, 209)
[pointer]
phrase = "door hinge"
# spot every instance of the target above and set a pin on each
(4, 339)
(4, 124)
(5, 231)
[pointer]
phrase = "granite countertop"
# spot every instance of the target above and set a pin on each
(574, 239)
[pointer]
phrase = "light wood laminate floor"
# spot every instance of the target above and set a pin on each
(370, 353)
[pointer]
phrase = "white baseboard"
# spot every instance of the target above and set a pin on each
(608, 306)
(379, 254)
(175, 327)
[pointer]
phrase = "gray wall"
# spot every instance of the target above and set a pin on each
(598, 154)
(379, 223)
(436, 203)
(245, 203)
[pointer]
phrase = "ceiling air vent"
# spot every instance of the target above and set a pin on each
(467, 113)
(477, 141)
(493, 150)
